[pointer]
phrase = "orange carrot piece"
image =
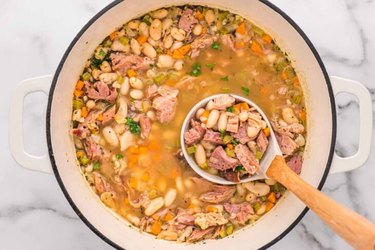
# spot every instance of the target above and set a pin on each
(168, 217)
(255, 46)
(239, 44)
(303, 115)
(113, 35)
(230, 146)
(267, 38)
(131, 73)
(181, 52)
(198, 15)
(269, 206)
(156, 227)
(80, 153)
(100, 117)
(245, 106)
(266, 131)
(78, 93)
(84, 112)
(79, 85)
(283, 75)
(241, 29)
(141, 39)
(272, 197)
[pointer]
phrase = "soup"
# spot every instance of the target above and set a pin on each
(131, 100)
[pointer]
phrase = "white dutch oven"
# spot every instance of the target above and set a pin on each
(319, 160)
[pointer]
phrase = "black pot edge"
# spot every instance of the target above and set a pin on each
(66, 54)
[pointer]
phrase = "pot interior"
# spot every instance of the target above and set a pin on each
(107, 224)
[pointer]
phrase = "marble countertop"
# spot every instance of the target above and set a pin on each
(34, 214)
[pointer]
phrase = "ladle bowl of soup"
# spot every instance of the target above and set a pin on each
(123, 89)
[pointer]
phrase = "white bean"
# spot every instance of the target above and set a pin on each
(261, 210)
(210, 17)
(170, 196)
(161, 13)
(210, 105)
(133, 219)
(178, 34)
(108, 78)
(127, 139)
(136, 94)
(257, 188)
(179, 65)
(200, 155)
(119, 128)
(134, 24)
(90, 104)
(134, 45)
(243, 116)
(241, 190)
(143, 29)
(154, 206)
(76, 115)
(136, 83)
(110, 136)
(222, 123)
(118, 46)
(155, 29)
(197, 29)
(122, 112)
(199, 113)
(168, 41)
(96, 73)
(151, 114)
(270, 182)
(107, 199)
(289, 116)
(148, 50)
(252, 131)
(165, 61)
(300, 140)
(180, 185)
(105, 67)
(176, 45)
(167, 23)
(213, 117)
(250, 197)
(125, 87)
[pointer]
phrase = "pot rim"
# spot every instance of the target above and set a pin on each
(73, 43)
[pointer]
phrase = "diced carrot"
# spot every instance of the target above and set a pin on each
(169, 53)
(156, 227)
(133, 182)
(168, 217)
(145, 176)
(230, 146)
(100, 117)
(80, 154)
(141, 39)
(134, 150)
(155, 216)
(267, 38)
(126, 201)
(245, 106)
(79, 85)
(239, 44)
(131, 73)
(78, 93)
(266, 131)
(255, 46)
(303, 115)
(204, 30)
(272, 197)
(237, 108)
(113, 35)
(199, 15)
(84, 112)
(143, 150)
(283, 75)
(269, 206)
(154, 145)
(212, 209)
(241, 29)
(181, 52)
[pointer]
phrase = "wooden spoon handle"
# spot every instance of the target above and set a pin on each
(355, 229)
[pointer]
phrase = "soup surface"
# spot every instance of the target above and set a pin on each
(132, 98)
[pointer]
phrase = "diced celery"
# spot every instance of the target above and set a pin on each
(147, 19)
(160, 78)
(281, 65)
(289, 71)
(204, 165)
(107, 43)
(86, 76)
(258, 155)
(230, 152)
(120, 79)
(124, 40)
(77, 104)
(227, 139)
(296, 99)
(191, 150)
(257, 30)
(84, 160)
(222, 15)
(257, 206)
(96, 165)
(223, 233)
(229, 229)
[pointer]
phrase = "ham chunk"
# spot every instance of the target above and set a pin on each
(239, 213)
(152, 91)
(187, 20)
(247, 159)
(231, 176)
(165, 107)
(101, 184)
(213, 137)
(287, 144)
(200, 43)
(232, 125)
(122, 62)
(295, 163)
(145, 124)
(262, 142)
(194, 134)
(220, 161)
(102, 91)
(220, 194)
(93, 150)
(199, 234)
(241, 135)
(206, 220)
(109, 114)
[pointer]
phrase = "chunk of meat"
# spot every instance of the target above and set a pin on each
(199, 234)
(206, 220)
(145, 124)
(109, 114)
(165, 108)
(101, 183)
(122, 62)
(241, 135)
(138, 200)
(83, 129)
(232, 125)
(186, 219)
(165, 90)
(239, 213)
(185, 234)
(220, 161)
(223, 102)
(152, 91)
(262, 142)
(213, 137)
(287, 144)
(200, 43)
(287, 130)
(231, 175)
(93, 150)
(228, 41)
(295, 163)
(247, 158)
(187, 20)
(102, 91)
(220, 194)
(195, 133)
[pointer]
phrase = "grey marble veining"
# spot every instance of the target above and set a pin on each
(35, 33)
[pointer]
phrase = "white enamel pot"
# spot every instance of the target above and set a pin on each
(319, 158)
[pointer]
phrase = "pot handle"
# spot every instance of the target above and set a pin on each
(343, 164)
(26, 160)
